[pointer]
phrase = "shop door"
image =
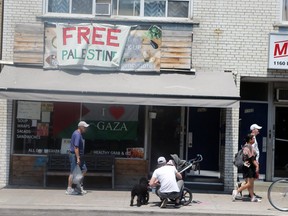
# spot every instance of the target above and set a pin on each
(254, 113)
(165, 138)
(204, 129)
(281, 142)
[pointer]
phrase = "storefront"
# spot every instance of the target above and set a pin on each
(120, 103)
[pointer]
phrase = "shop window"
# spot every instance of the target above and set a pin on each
(254, 91)
(46, 128)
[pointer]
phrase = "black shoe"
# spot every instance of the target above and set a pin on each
(257, 196)
(177, 205)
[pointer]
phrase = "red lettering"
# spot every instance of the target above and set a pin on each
(111, 37)
(95, 35)
(66, 35)
(280, 51)
(83, 32)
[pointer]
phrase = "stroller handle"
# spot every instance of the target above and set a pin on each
(193, 161)
(197, 159)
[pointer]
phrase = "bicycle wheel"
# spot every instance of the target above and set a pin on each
(186, 196)
(278, 194)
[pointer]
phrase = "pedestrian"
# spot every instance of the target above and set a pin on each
(165, 176)
(250, 170)
(255, 130)
(76, 151)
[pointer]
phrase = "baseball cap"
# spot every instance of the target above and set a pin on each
(161, 160)
(255, 126)
(83, 124)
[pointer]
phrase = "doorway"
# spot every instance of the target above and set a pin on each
(281, 142)
(166, 131)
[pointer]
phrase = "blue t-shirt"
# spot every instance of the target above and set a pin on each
(77, 141)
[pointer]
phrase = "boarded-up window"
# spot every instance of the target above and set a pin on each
(28, 44)
(176, 50)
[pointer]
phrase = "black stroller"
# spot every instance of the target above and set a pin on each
(182, 166)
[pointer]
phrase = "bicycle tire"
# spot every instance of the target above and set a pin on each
(278, 194)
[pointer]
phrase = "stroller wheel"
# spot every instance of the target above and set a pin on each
(186, 196)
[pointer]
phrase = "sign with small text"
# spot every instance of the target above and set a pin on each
(278, 51)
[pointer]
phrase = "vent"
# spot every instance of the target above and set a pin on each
(103, 9)
(282, 95)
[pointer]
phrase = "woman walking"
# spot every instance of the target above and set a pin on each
(250, 169)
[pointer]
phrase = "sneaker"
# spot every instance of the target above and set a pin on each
(237, 186)
(234, 194)
(164, 203)
(255, 199)
(82, 190)
(257, 196)
(71, 191)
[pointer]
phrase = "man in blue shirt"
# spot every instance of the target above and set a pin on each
(76, 151)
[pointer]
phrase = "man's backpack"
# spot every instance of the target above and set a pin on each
(239, 159)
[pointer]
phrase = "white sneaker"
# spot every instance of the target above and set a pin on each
(255, 199)
(234, 194)
(71, 191)
(82, 190)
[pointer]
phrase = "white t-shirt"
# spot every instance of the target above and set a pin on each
(166, 175)
(255, 146)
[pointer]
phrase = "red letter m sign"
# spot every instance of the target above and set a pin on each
(280, 49)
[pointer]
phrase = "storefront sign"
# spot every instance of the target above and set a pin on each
(278, 51)
(91, 44)
(102, 47)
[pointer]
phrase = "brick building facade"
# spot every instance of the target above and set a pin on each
(228, 36)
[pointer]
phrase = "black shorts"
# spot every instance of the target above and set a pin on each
(249, 172)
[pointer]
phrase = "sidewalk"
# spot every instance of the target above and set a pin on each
(119, 202)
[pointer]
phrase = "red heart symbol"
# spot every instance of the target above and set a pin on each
(116, 111)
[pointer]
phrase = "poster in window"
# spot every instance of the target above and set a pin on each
(43, 129)
(29, 110)
(135, 152)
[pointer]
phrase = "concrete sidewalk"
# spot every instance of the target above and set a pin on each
(117, 202)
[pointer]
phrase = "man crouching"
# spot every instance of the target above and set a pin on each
(170, 188)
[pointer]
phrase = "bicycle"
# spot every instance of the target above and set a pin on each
(278, 194)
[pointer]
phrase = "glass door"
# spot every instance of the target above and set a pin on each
(281, 142)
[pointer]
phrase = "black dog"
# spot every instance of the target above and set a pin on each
(141, 191)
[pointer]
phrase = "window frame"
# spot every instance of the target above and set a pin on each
(142, 5)
(282, 12)
(46, 6)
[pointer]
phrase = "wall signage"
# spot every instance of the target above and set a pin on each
(278, 51)
(93, 46)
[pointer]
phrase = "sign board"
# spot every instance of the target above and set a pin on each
(29, 110)
(278, 51)
(92, 46)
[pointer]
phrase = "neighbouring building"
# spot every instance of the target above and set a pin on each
(152, 78)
